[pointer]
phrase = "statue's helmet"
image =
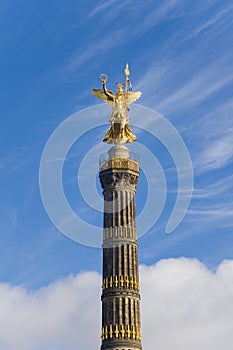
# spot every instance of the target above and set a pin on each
(119, 91)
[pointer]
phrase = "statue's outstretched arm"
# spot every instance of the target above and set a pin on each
(108, 93)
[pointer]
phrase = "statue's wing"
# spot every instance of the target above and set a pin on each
(101, 94)
(132, 96)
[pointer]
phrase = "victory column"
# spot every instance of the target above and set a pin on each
(119, 172)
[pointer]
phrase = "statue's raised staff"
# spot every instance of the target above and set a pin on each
(119, 132)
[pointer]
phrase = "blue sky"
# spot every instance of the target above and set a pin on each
(51, 56)
(180, 56)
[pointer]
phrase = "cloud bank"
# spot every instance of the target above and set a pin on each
(184, 305)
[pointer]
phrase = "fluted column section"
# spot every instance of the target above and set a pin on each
(121, 329)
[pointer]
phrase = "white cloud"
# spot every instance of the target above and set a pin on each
(211, 21)
(159, 13)
(186, 306)
(224, 185)
(92, 50)
(170, 87)
(60, 316)
(125, 21)
(210, 214)
(103, 6)
(200, 87)
(183, 304)
(215, 122)
(213, 203)
(217, 153)
(214, 133)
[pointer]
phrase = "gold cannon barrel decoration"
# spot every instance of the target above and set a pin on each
(121, 331)
(120, 282)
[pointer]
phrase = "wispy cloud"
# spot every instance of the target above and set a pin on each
(159, 13)
(222, 214)
(172, 95)
(217, 154)
(15, 160)
(215, 122)
(128, 10)
(103, 6)
(213, 190)
(91, 50)
(210, 22)
(116, 15)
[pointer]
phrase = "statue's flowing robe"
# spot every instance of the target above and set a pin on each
(119, 131)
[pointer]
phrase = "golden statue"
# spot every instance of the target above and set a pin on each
(119, 132)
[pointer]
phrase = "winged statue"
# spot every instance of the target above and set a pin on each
(119, 132)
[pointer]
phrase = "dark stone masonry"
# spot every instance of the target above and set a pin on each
(121, 326)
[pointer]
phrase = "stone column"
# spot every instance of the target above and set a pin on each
(121, 328)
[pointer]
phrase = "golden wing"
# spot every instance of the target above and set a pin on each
(101, 94)
(132, 96)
